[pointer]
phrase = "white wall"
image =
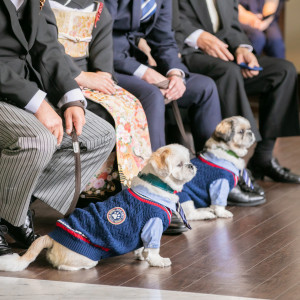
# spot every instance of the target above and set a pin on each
(292, 31)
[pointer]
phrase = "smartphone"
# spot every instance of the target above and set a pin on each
(245, 66)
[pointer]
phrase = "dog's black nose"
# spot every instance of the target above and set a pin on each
(190, 166)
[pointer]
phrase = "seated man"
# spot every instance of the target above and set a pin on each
(213, 44)
(36, 155)
(259, 20)
(152, 21)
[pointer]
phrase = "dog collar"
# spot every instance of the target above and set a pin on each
(230, 152)
(154, 180)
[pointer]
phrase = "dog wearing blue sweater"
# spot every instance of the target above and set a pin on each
(132, 220)
(218, 168)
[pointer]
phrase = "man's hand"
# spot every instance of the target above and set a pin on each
(99, 81)
(74, 116)
(244, 55)
(51, 120)
(176, 87)
(151, 76)
(212, 46)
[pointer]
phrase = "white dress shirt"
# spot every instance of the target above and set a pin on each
(35, 102)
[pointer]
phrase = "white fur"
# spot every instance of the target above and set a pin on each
(170, 163)
(193, 214)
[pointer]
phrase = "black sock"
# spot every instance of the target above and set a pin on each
(263, 152)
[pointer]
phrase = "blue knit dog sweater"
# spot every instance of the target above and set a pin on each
(109, 228)
(198, 188)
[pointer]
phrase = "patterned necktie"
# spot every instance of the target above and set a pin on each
(182, 215)
(246, 178)
(148, 8)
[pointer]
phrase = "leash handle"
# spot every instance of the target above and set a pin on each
(76, 150)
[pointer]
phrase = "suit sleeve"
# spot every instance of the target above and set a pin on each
(162, 41)
(14, 88)
(236, 35)
(124, 62)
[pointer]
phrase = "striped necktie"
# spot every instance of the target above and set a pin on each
(148, 8)
(246, 178)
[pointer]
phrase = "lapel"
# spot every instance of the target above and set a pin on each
(15, 23)
(201, 10)
(34, 19)
(136, 14)
(220, 7)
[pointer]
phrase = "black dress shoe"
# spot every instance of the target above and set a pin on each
(4, 248)
(256, 187)
(23, 234)
(238, 197)
(176, 226)
(275, 171)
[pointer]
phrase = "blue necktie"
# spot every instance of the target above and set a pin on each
(182, 215)
(246, 178)
(148, 8)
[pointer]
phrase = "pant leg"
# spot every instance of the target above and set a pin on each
(26, 149)
(275, 46)
(152, 101)
(56, 184)
(202, 101)
(230, 84)
(277, 85)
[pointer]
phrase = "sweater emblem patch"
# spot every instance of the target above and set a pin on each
(116, 215)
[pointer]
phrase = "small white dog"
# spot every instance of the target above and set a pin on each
(133, 219)
(218, 168)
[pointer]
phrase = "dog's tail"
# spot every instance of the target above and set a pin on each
(14, 262)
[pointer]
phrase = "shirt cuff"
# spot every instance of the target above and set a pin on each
(140, 71)
(182, 73)
(192, 39)
(35, 102)
(73, 95)
(249, 47)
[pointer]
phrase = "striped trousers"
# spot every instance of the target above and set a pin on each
(31, 163)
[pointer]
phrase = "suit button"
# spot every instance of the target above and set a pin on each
(23, 57)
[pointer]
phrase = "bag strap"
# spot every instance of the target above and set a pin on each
(76, 150)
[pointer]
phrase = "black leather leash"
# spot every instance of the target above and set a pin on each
(76, 150)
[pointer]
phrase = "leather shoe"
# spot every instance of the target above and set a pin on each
(256, 187)
(23, 234)
(176, 226)
(4, 248)
(238, 197)
(275, 171)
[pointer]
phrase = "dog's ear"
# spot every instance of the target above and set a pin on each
(159, 161)
(224, 131)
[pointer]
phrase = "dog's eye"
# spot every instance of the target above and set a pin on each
(180, 165)
(242, 131)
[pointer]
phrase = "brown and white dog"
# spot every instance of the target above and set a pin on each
(131, 220)
(218, 168)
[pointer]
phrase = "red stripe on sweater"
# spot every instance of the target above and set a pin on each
(235, 178)
(79, 236)
(151, 203)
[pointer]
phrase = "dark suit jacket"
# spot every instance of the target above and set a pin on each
(158, 33)
(194, 15)
(27, 65)
(100, 56)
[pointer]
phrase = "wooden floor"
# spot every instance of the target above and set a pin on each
(256, 254)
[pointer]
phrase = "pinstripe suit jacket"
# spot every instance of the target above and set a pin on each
(27, 65)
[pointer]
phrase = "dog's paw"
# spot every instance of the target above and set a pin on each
(158, 261)
(223, 213)
(138, 254)
(200, 214)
